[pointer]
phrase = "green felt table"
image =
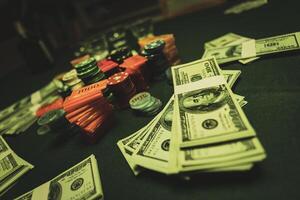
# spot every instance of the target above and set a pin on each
(271, 86)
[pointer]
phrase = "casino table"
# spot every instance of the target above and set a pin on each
(271, 85)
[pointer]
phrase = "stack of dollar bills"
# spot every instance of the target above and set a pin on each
(244, 6)
(12, 167)
(201, 129)
(19, 116)
(82, 181)
(232, 47)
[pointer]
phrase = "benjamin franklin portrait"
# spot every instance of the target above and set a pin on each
(202, 101)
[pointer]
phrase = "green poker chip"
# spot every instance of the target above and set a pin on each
(96, 78)
(145, 104)
(86, 63)
(89, 73)
(43, 130)
(140, 100)
(51, 117)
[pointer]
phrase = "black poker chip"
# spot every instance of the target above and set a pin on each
(155, 47)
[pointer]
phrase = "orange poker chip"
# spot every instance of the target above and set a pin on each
(90, 89)
(81, 109)
(55, 105)
(134, 62)
(94, 125)
(73, 104)
(77, 117)
(106, 65)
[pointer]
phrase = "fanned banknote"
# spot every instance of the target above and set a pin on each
(82, 181)
(12, 167)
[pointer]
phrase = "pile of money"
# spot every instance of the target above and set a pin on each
(18, 117)
(201, 129)
(232, 47)
(12, 167)
(244, 6)
(82, 181)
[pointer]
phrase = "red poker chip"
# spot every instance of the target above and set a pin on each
(117, 78)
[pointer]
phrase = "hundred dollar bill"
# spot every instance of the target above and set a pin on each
(248, 5)
(252, 48)
(231, 76)
(221, 153)
(206, 110)
(223, 41)
(127, 154)
(229, 39)
(79, 182)
(153, 153)
(12, 167)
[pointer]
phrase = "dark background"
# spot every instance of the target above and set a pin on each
(271, 86)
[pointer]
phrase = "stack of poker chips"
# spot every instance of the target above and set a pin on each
(122, 88)
(145, 104)
(170, 49)
(108, 67)
(136, 67)
(71, 80)
(158, 62)
(89, 72)
(89, 109)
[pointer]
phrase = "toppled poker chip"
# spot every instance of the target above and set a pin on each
(70, 75)
(51, 117)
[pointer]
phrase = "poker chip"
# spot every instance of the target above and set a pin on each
(108, 67)
(69, 76)
(145, 104)
(139, 100)
(120, 54)
(43, 130)
(155, 47)
(122, 87)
